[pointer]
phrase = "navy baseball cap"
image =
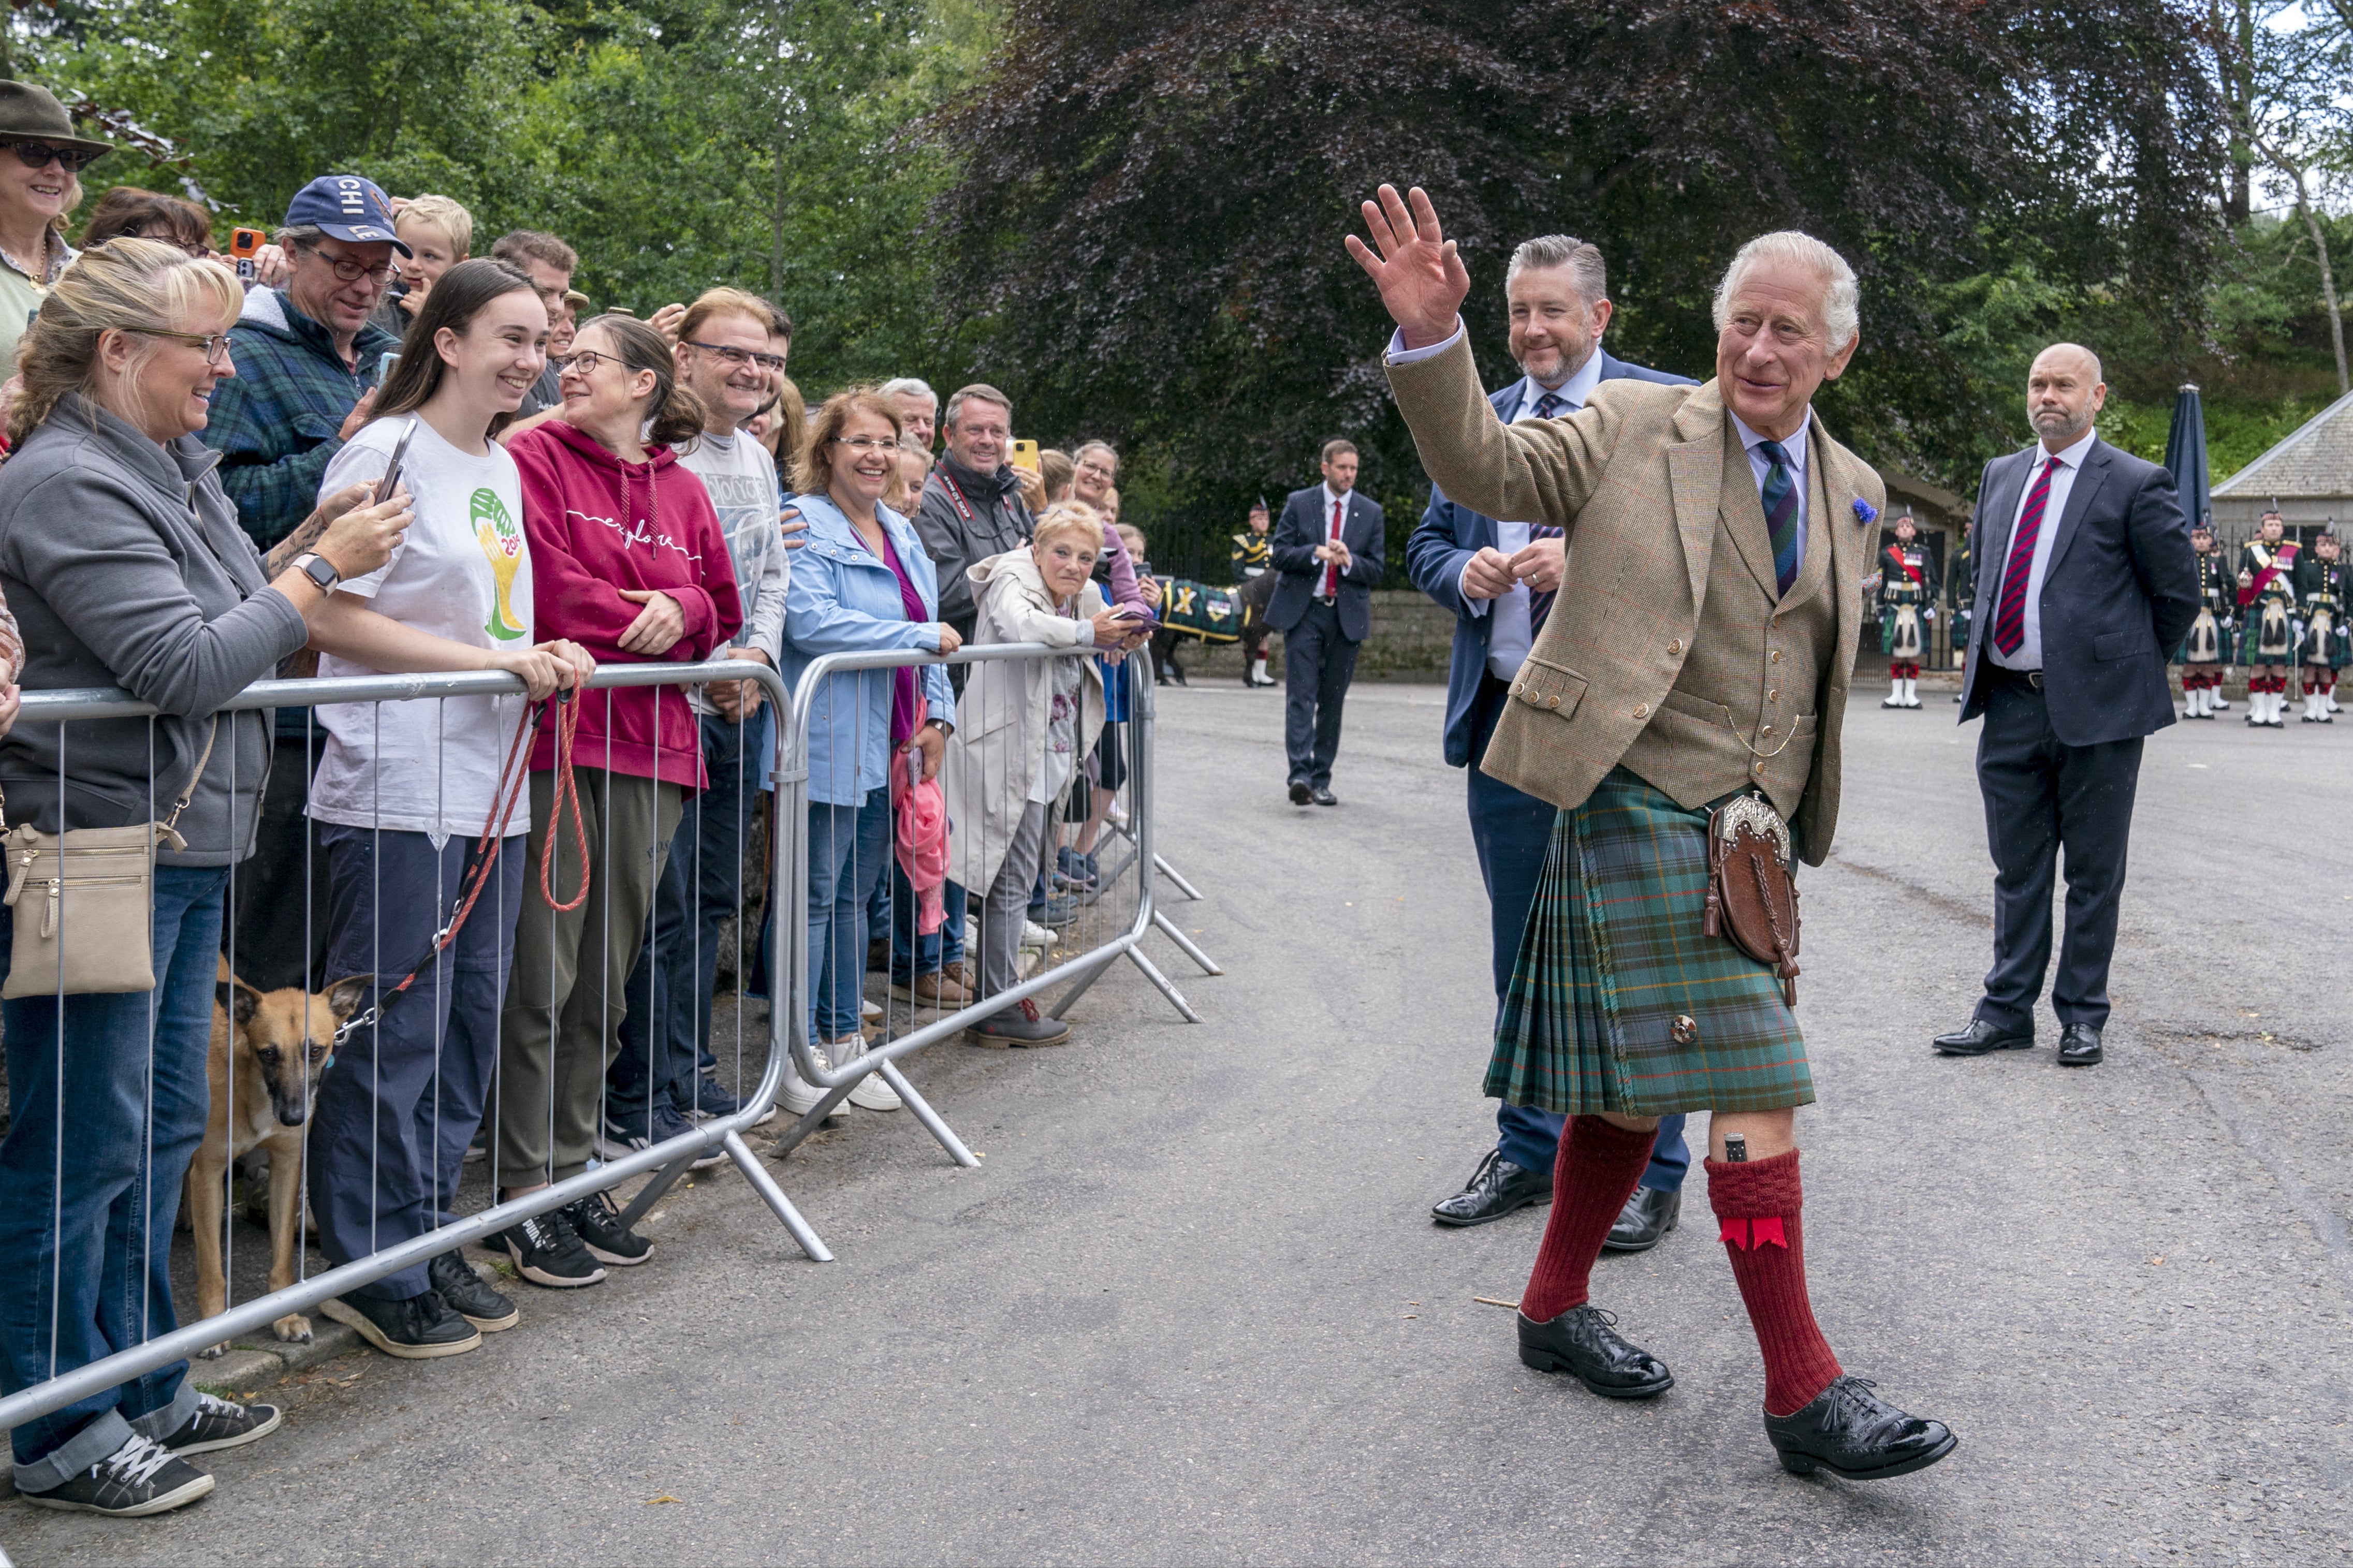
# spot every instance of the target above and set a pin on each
(344, 206)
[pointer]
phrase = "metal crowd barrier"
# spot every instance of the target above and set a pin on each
(1114, 928)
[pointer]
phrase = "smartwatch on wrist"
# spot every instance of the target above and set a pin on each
(319, 569)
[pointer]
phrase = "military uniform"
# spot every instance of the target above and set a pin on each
(2266, 600)
(2321, 602)
(2205, 654)
(1907, 604)
(1253, 554)
(1255, 575)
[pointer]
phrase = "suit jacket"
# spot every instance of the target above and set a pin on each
(2118, 593)
(1661, 512)
(1301, 530)
(1449, 535)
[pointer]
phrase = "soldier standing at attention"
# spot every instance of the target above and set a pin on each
(1907, 604)
(2320, 596)
(2206, 653)
(2266, 600)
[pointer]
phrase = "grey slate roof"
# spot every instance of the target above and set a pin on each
(2313, 463)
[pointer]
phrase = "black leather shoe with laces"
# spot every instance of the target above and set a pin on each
(1981, 1038)
(1850, 1431)
(217, 1424)
(2079, 1046)
(415, 1327)
(1584, 1343)
(140, 1478)
(1494, 1190)
(1645, 1220)
(470, 1295)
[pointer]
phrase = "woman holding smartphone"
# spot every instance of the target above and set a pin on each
(404, 797)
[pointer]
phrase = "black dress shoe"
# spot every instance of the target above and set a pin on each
(1981, 1038)
(1648, 1216)
(2079, 1046)
(1299, 795)
(1322, 795)
(1850, 1431)
(1494, 1190)
(1583, 1343)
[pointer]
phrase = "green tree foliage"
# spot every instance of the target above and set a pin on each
(1154, 194)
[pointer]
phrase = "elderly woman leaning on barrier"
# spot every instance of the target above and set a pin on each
(122, 558)
(627, 561)
(405, 796)
(863, 584)
(1023, 726)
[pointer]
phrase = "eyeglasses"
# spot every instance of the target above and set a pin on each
(585, 362)
(861, 445)
(740, 357)
(214, 344)
(195, 251)
(351, 269)
(40, 154)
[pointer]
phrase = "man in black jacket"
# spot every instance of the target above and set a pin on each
(1329, 549)
(971, 507)
(2085, 585)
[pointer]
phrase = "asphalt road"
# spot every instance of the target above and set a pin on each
(1192, 1309)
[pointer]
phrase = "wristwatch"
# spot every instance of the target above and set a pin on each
(319, 569)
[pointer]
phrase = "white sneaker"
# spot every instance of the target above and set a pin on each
(1116, 814)
(872, 1093)
(870, 1011)
(1035, 935)
(798, 1095)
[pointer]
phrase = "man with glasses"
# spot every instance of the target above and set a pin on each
(307, 364)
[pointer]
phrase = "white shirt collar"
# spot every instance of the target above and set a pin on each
(1577, 391)
(2070, 458)
(1795, 446)
(1329, 500)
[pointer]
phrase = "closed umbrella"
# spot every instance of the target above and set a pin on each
(2185, 455)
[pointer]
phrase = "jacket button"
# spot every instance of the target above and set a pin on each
(1758, 767)
(1684, 1029)
(1552, 701)
(1518, 687)
(1777, 656)
(1773, 697)
(1675, 646)
(1641, 710)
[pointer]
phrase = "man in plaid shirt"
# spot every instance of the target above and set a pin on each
(306, 355)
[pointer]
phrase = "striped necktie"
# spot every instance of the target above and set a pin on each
(2010, 615)
(1781, 503)
(1549, 405)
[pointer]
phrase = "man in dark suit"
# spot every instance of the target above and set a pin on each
(2085, 584)
(1329, 550)
(1498, 582)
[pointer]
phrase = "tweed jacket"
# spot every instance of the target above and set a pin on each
(1651, 487)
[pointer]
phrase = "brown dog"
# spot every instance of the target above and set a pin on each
(267, 1053)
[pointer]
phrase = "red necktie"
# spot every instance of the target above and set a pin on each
(1331, 582)
(2010, 615)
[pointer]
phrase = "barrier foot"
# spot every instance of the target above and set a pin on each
(1061, 1008)
(927, 1116)
(654, 1191)
(1169, 928)
(765, 1185)
(1169, 871)
(1175, 997)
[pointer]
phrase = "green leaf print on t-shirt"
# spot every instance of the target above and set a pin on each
(501, 540)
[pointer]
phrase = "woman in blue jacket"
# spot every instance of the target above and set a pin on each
(861, 583)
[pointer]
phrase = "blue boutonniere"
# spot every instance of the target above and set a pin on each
(1864, 512)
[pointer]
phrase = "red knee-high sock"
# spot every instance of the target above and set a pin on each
(1757, 1200)
(1599, 1167)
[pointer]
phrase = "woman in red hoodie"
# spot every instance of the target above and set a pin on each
(628, 559)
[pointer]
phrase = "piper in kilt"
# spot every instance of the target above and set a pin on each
(2266, 604)
(1907, 603)
(2321, 604)
(2205, 654)
(1698, 648)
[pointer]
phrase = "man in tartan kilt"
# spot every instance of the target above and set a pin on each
(1698, 651)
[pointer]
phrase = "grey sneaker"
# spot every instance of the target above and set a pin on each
(140, 1478)
(1019, 1026)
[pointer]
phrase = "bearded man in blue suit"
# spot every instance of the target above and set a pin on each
(1499, 582)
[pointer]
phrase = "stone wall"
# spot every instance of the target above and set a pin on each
(1410, 641)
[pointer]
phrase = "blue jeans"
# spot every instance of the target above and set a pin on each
(669, 1022)
(848, 848)
(911, 952)
(402, 1097)
(93, 1150)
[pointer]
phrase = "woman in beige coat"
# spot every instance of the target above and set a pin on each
(1023, 729)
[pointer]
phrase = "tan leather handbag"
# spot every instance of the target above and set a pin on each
(1751, 898)
(85, 901)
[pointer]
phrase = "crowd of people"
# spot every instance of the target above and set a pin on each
(200, 491)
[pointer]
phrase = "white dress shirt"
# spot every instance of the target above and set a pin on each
(1512, 633)
(1330, 572)
(2055, 506)
(1760, 465)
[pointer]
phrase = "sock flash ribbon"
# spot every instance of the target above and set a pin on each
(1745, 1234)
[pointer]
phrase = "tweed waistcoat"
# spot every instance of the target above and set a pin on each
(1746, 707)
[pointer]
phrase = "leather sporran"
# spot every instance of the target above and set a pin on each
(85, 900)
(1751, 897)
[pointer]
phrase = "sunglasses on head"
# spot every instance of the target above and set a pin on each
(39, 154)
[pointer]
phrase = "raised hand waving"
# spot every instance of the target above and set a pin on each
(1421, 279)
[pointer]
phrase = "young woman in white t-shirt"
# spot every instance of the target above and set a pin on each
(404, 795)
